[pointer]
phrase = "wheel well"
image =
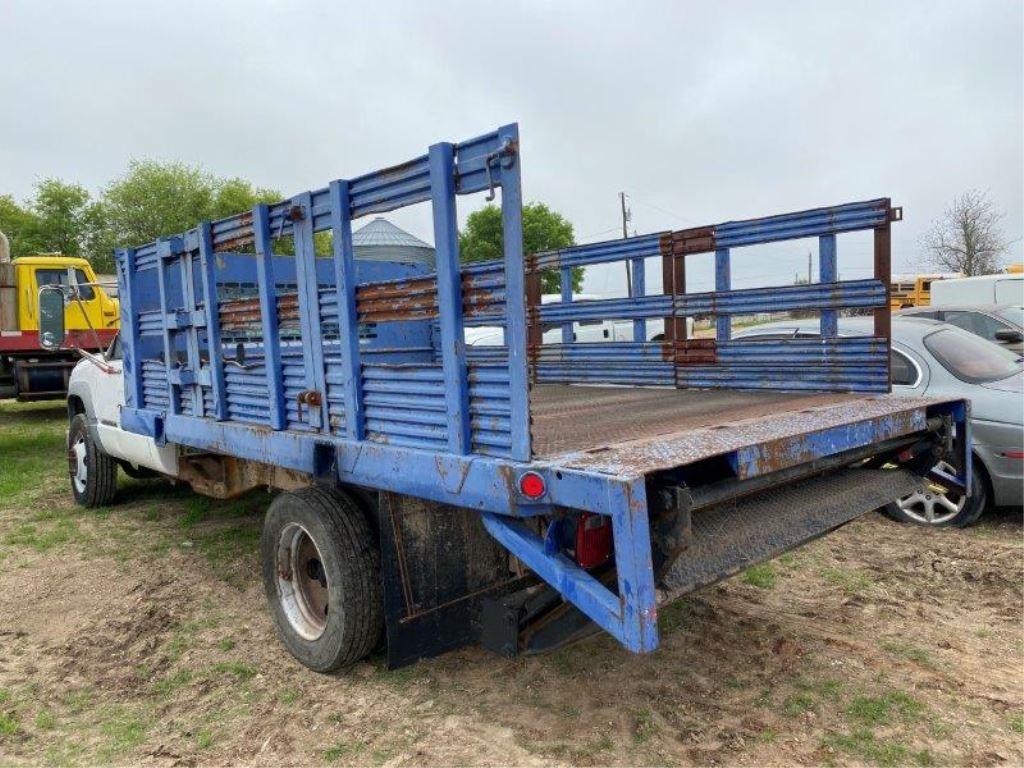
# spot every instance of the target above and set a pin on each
(75, 406)
(983, 473)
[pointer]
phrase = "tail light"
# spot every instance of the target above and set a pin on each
(593, 540)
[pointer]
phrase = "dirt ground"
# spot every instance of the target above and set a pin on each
(138, 635)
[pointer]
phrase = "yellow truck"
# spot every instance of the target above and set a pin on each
(27, 370)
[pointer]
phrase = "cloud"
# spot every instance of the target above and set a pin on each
(702, 112)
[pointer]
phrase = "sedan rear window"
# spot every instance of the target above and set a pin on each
(970, 358)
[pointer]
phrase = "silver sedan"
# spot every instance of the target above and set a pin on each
(931, 358)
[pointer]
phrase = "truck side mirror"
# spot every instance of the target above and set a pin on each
(1009, 336)
(51, 317)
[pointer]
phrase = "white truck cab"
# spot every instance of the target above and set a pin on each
(96, 442)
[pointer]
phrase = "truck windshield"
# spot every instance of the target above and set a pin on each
(971, 358)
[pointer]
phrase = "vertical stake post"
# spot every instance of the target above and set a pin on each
(267, 283)
(723, 282)
(345, 281)
(827, 274)
(449, 298)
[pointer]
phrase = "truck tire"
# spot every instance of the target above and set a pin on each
(93, 473)
(321, 574)
(931, 507)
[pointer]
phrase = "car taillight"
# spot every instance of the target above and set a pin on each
(1013, 454)
(593, 540)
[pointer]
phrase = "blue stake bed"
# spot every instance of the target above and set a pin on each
(241, 340)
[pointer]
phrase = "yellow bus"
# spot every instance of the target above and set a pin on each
(914, 290)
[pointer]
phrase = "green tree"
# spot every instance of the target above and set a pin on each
(543, 230)
(19, 223)
(65, 216)
(231, 196)
(154, 199)
(59, 217)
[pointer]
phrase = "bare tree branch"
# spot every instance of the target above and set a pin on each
(968, 237)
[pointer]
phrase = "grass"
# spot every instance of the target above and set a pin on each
(644, 726)
(8, 724)
(124, 730)
(235, 669)
(910, 652)
(46, 720)
(863, 744)
(166, 687)
(1017, 724)
(797, 705)
(760, 576)
(342, 750)
(32, 436)
(882, 710)
(850, 581)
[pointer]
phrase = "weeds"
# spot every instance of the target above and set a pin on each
(851, 582)
(880, 710)
(760, 576)
(911, 653)
(863, 744)
(644, 726)
(8, 724)
(340, 750)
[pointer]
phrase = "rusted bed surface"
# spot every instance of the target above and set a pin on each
(579, 418)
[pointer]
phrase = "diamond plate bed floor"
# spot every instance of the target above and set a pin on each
(574, 418)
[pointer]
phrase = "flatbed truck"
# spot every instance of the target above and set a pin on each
(523, 494)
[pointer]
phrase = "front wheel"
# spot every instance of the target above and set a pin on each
(934, 505)
(321, 575)
(93, 473)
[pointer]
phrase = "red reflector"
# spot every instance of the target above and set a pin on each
(1014, 454)
(593, 540)
(531, 485)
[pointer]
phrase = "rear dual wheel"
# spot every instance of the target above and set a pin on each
(321, 575)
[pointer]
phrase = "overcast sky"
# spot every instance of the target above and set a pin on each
(701, 112)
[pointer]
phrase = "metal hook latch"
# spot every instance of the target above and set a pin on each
(310, 397)
(506, 148)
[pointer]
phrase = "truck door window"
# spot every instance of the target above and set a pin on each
(85, 291)
(51, 277)
(60, 277)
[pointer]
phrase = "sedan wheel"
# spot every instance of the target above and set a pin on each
(932, 504)
(935, 505)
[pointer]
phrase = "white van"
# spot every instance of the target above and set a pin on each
(983, 290)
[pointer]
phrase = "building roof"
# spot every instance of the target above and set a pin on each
(380, 240)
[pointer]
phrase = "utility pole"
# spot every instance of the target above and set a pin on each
(808, 267)
(625, 234)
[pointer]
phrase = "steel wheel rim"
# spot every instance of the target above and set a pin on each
(78, 465)
(302, 582)
(933, 504)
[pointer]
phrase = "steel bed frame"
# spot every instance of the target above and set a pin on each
(412, 410)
